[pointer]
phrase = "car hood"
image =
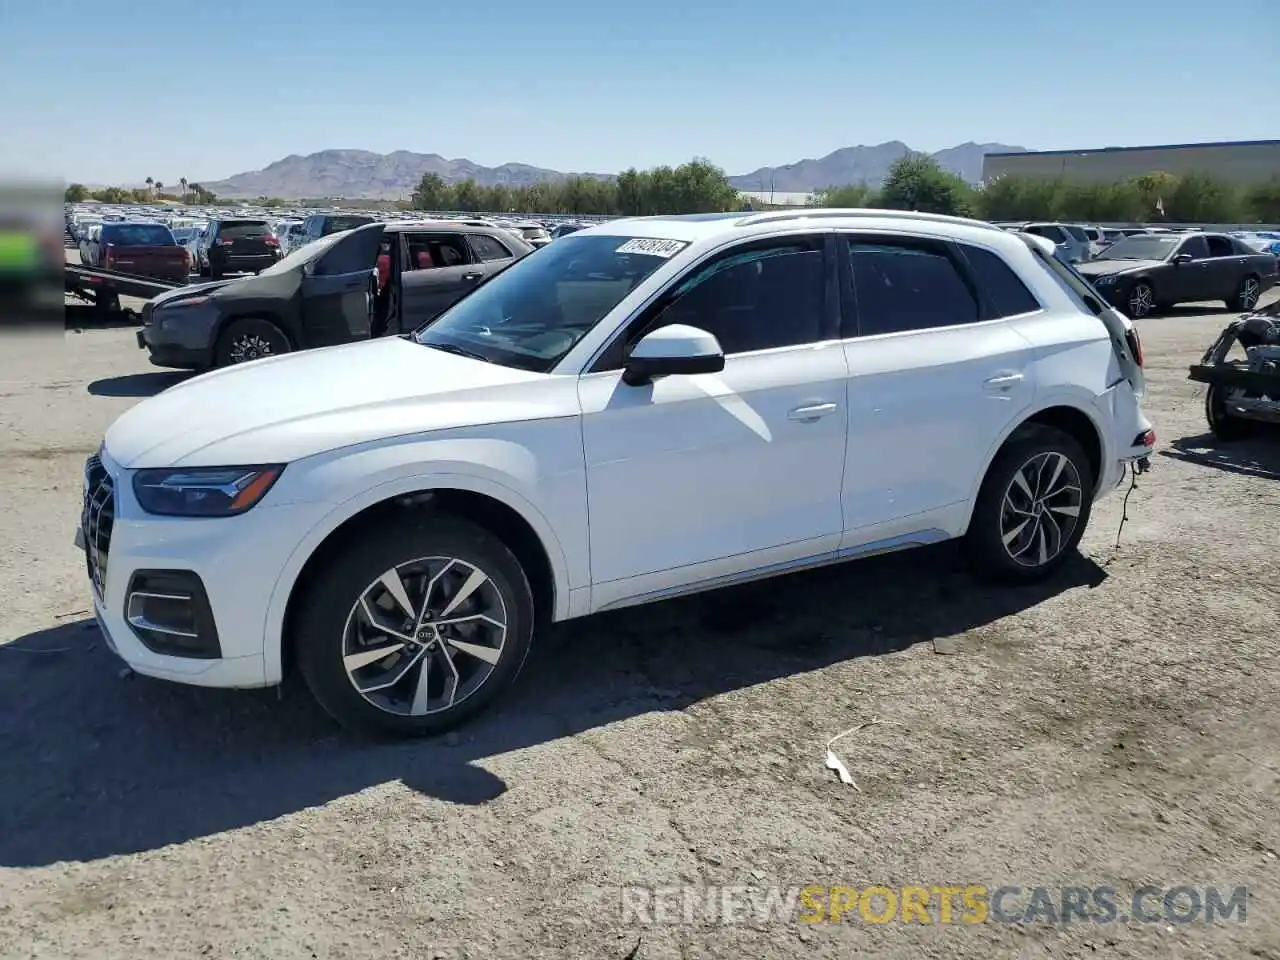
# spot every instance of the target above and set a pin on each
(280, 409)
(189, 290)
(1111, 268)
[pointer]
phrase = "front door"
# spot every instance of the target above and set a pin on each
(338, 290)
(936, 377)
(1181, 282)
(693, 478)
(436, 272)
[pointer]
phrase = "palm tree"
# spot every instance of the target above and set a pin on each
(159, 187)
(182, 182)
(150, 184)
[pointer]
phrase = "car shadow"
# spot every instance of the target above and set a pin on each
(138, 384)
(1251, 457)
(81, 316)
(99, 762)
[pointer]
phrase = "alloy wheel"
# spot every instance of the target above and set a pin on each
(1040, 509)
(249, 347)
(1141, 301)
(424, 636)
(1250, 289)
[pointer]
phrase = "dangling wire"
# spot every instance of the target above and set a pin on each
(1124, 508)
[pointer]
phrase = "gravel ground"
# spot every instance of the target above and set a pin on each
(1117, 727)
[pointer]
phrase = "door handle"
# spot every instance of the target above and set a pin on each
(811, 412)
(1003, 382)
(472, 276)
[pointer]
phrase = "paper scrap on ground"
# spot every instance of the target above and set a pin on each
(835, 763)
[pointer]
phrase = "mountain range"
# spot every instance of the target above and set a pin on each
(364, 174)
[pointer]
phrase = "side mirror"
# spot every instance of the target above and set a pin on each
(673, 349)
(1183, 258)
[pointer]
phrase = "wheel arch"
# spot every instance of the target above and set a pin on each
(489, 504)
(1072, 417)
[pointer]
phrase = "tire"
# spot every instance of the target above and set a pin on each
(215, 273)
(108, 305)
(1140, 301)
(1222, 424)
(203, 270)
(332, 627)
(1003, 508)
(250, 338)
(1246, 297)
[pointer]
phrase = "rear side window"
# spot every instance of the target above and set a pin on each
(1220, 246)
(1005, 293)
(243, 229)
(910, 285)
(429, 251)
(1078, 234)
(487, 248)
(138, 235)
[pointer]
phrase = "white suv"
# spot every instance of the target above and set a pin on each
(645, 408)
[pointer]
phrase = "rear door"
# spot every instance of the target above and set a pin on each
(437, 270)
(338, 290)
(936, 375)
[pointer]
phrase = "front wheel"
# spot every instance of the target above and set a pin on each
(415, 627)
(1032, 508)
(249, 339)
(1141, 301)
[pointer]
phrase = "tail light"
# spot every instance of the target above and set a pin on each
(226, 243)
(271, 241)
(1135, 346)
(107, 256)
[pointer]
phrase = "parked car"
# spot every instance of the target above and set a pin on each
(534, 234)
(564, 229)
(1147, 273)
(141, 250)
(648, 408)
(328, 292)
(1071, 241)
(89, 244)
(189, 239)
(237, 246)
(323, 224)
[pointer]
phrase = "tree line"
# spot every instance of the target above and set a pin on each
(914, 182)
(153, 192)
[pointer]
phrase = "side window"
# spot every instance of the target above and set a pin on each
(486, 248)
(1006, 295)
(344, 257)
(911, 285)
(1198, 249)
(761, 298)
(428, 251)
(1219, 247)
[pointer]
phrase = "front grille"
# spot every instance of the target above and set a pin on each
(96, 521)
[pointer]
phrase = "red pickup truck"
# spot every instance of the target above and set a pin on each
(143, 250)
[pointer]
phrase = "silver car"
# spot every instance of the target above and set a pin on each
(1070, 239)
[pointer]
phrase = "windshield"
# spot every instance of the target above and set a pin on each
(312, 250)
(140, 235)
(1142, 247)
(535, 233)
(534, 312)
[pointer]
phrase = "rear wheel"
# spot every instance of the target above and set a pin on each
(250, 339)
(1246, 297)
(1224, 426)
(1033, 507)
(414, 628)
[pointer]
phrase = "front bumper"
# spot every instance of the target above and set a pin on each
(181, 337)
(237, 562)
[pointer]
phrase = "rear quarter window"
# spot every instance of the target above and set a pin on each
(1005, 293)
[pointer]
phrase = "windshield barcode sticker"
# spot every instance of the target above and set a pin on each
(666, 249)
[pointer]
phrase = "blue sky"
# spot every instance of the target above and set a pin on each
(223, 86)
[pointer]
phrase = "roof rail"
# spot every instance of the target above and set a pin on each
(818, 213)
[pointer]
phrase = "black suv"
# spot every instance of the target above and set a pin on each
(237, 246)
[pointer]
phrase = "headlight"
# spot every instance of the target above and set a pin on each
(1103, 281)
(203, 491)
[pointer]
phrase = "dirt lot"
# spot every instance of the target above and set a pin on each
(1116, 728)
